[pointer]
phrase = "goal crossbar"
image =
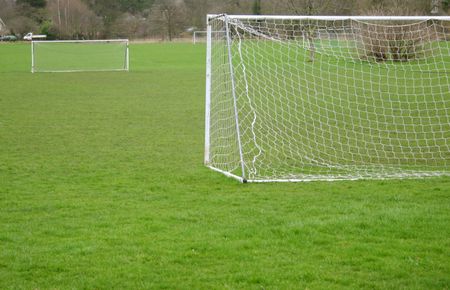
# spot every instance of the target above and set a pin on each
(327, 17)
(81, 41)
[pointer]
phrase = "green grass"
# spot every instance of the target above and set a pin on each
(102, 186)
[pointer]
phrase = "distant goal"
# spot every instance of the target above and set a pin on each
(199, 36)
(80, 55)
(302, 98)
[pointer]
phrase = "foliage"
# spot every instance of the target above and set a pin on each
(45, 27)
(134, 6)
(73, 20)
(110, 18)
(397, 43)
(401, 43)
(168, 17)
(256, 9)
(33, 3)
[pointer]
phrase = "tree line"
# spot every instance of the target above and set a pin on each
(169, 19)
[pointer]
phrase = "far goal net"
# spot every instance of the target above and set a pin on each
(80, 55)
(299, 98)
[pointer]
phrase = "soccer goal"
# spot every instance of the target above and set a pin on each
(79, 55)
(199, 36)
(302, 98)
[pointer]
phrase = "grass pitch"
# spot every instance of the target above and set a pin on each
(102, 186)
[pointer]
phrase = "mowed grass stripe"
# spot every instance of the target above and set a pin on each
(102, 186)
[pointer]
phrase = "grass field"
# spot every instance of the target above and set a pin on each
(102, 186)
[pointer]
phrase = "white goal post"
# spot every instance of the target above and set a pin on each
(303, 98)
(80, 55)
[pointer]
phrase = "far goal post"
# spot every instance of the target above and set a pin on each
(302, 98)
(80, 55)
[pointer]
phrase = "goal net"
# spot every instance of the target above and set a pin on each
(327, 98)
(80, 55)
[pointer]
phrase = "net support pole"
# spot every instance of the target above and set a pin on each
(208, 93)
(233, 91)
(128, 56)
(32, 57)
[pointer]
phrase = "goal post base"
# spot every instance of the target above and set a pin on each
(228, 174)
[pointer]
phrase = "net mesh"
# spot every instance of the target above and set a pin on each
(329, 99)
(55, 56)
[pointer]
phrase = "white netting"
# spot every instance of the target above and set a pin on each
(82, 55)
(329, 99)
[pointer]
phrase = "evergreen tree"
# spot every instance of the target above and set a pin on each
(34, 3)
(256, 9)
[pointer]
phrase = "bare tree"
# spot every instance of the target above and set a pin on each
(6, 12)
(196, 13)
(232, 6)
(19, 21)
(168, 17)
(393, 7)
(73, 19)
(309, 7)
(385, 41)
(131, 26)
(2, 26)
